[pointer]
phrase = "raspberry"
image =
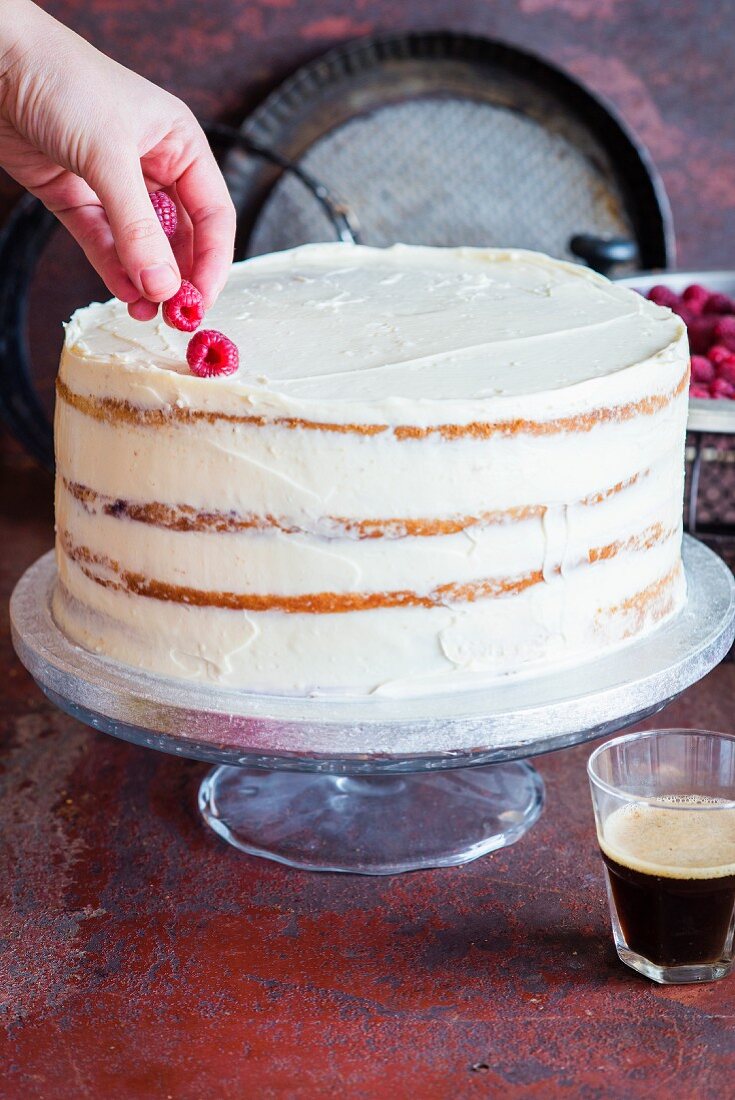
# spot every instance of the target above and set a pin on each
(718, 353)
(701, 333)
(699, 391)
(185, 311)
(724, 332)
(165, 209)
(663, 296)
(695, 297)
(721, 388)
(210, 353)
(719, 303)
(726, 370)
(683, 311)
(702, 370)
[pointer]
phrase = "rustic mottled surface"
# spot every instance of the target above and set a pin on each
(142, 958)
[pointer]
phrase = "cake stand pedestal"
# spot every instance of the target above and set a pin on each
(378, 785)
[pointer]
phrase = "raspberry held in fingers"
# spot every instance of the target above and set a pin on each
(185, 311)
(165, 209)
(210, 353)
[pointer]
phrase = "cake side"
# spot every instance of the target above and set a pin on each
(274, 541)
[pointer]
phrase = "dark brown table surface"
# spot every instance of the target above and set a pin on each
(143, 958)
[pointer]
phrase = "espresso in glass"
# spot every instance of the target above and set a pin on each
(672, 878)
(664, 804)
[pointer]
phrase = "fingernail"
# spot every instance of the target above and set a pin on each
(159, 279)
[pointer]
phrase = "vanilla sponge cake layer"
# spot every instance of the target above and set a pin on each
(433, 468)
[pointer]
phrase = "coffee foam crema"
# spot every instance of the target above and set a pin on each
(673, 837)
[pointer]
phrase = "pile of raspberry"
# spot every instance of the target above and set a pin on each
(710, 320)
(209, 353)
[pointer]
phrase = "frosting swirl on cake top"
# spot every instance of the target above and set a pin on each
(336, 323)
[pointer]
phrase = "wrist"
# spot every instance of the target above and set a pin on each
(17, 18)
(14, 19)
(21, 33)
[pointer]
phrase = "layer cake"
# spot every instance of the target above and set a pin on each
(434, 468)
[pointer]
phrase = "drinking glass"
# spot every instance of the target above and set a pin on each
(664, 806)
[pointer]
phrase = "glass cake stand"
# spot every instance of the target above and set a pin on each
(378, 785)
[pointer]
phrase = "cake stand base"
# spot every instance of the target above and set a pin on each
(372, 824)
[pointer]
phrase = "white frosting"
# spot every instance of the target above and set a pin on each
(405, 334)
(400, 338)
(394, 651)
(296, 563)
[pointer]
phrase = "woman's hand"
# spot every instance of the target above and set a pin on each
(91, 140)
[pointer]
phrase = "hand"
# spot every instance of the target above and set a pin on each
(91, 140)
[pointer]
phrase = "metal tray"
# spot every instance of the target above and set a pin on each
(447, 139)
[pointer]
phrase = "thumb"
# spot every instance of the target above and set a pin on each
(140, 242)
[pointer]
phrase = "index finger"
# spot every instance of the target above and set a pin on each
(203, 194)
